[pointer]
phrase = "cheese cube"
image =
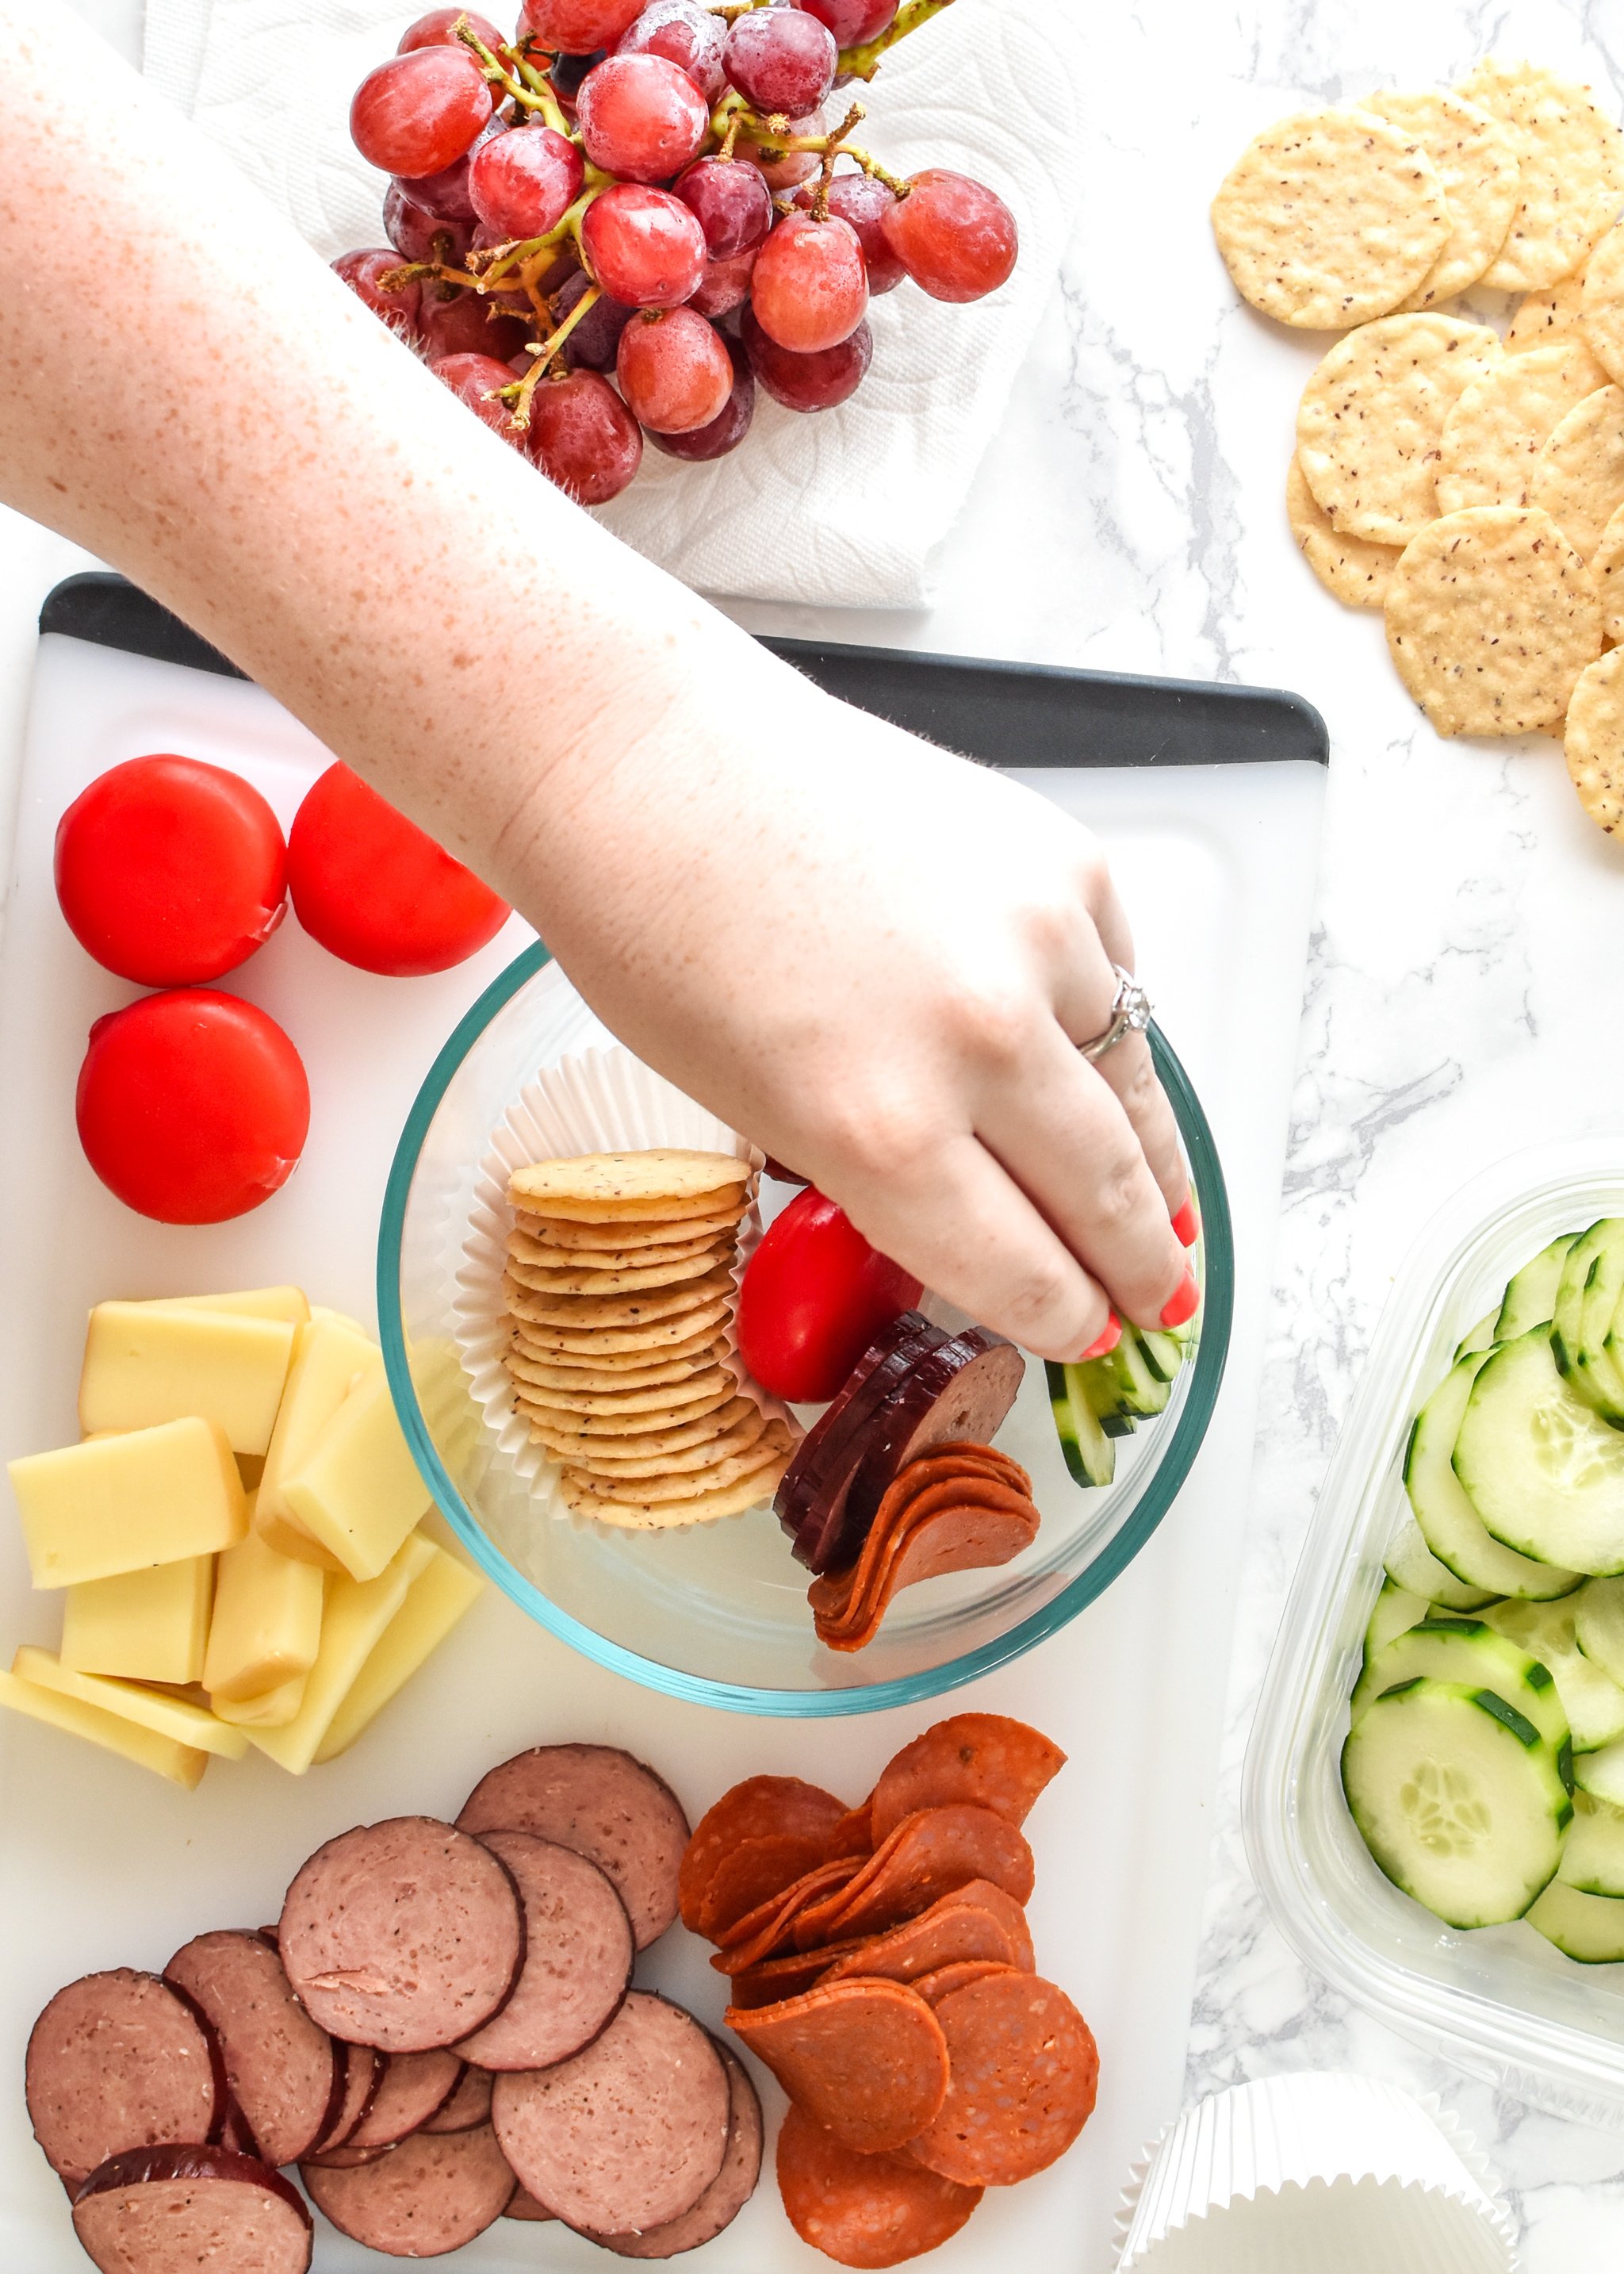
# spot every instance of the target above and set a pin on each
(343, 1319)
(248, 1303)
(330, 1357)
(182, 1765)
(120, 1503)
(149, 1626)
(359, 1613)
(434, 1602)
(359, 1491)
(266, 1621)
(144, 1364)
(273, 1709)
(149, 1709)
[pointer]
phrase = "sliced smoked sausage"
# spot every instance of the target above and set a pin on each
(727, 2194)
(431, 2194)
(170, 2211)
(469, 2106)
(577, 1958)
(413, 2088)
(284, 2071)
(121, 2061)
(608, 1807)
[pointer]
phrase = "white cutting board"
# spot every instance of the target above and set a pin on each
(102, 1865)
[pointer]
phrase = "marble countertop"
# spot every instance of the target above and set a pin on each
(1128, 515)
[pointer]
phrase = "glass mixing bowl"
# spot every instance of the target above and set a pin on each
(717, 1613)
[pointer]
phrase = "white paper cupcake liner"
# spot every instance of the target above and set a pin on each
(1339, 2173)
(595, 1101)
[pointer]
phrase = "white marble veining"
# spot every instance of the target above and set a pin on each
(1128, 515)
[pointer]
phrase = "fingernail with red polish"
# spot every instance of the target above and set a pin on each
(1182, 1304)
(1184, 1223)
(1107, 1341)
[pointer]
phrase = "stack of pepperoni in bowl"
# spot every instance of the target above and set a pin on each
(881, 1967)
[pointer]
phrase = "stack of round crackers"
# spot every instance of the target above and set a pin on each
(619, 1290)
(1471, 488)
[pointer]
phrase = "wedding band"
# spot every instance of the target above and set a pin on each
(1130, 1015)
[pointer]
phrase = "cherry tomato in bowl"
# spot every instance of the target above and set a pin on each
(377, 890)
(170, 871)
(813, 1296)
(192, 1106)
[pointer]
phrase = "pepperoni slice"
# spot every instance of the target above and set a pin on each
(927, 1855)
(943, 1983)
(1023, 2072)
(761, 1808)
(948, 1931)
(771, 1925)
(984, 1758)
(864, 2211)
(868, 2060)
(754, 1874)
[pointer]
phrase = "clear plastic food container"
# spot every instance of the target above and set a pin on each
(1501, 2001)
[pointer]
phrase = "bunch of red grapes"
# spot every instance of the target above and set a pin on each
(654, 193)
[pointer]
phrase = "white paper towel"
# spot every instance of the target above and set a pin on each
(843, 508)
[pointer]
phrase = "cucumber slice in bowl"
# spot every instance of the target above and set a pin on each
(1543, 1470)
(1090, 1455)
(1412, 1565)
(1589, 1928)
(1593, 1854)
(1530, 1293)
(1449, 1524)
(1458, 1798)
(1583, 1314)
(1592, 1701)
(1601, 1774)
(1598, 1620)
(1467, 1651)
(1396, 1612)
(1481, 1337)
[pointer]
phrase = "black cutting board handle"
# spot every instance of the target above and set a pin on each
(1007, 714)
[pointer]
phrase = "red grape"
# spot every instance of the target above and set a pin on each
(783, 171)
(726, 285)
(567, 73)
(644, 246)
(807, 382)
(583, 437)
(417, 114)
(474, 379)
(853, 22)
(864, 202)
(592, 344)
(733, 203)
(574, 27)
(641, 118)
(687, 35)
(445, 194)
(781, 60)
(360, 271)
(957, 240)
(809, 289)
(438, 29)
(468, 324)
(522, 184)
(673, 370)
(413, 230)
(730, 425)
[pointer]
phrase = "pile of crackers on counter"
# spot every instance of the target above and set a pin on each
(621, 1287)
(1470, 486)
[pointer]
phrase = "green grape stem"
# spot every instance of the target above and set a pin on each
(521, 85)
(520, 394)
(862, 63)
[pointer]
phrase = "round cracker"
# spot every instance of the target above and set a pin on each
(1353, 570)
(546, 1255)
(1498, 426)
(1371, 414)
(1330, 217)
(630, 1280)
(631, 1180)
(1607, 569)
(1491, 618)
(1551, 315)
(701, 1499)
(1572, 160)
(673, 1337)
(1476, 160)
(629, 1233)
(661, 1403)
(575, 1312)
(1594, 747)
(593, 1441)
(1579, 473)
(593, 1461)
(554, 1430)
(574, 1377)
(1601, 303)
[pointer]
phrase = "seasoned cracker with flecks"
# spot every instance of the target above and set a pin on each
(1494, 434)
(1594, 747)
(1355, 571)
(1579, 474)
(1476, 161)
(1572, 160)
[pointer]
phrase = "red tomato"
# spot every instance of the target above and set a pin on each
(169, 871)
(192, 1106)
(376, 890)
(814, 1298)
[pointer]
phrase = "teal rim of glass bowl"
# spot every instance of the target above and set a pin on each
(810, 1704)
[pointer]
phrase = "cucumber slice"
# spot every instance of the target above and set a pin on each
(1481, 1337)
(1589, 1928)
(1411, 1564)
(1466, 1651)
(1458, 1799)
(1577, 1299)
(1598, 1615)
(1449, 1524)
(1592, 1701)
(1164, 1352)
(1593, 1854)
(1396, 1611)
(1121, 1383)
(1540, 1466)
(1090, 1455)
(1530, 1293)
(1601, 1774)
(1602, 1297)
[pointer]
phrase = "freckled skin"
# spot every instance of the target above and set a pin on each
(873, 956)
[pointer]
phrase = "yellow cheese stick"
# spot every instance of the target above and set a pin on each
(189, 1725)
(119, 1503)
(182, 1765)
(272, 1709)
(144, 1364)
(247, 1303)
(434, 1602)
(266, 1621)
(148, 1626)
(331, 1356)
(358, 1611)
(359, 1491)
